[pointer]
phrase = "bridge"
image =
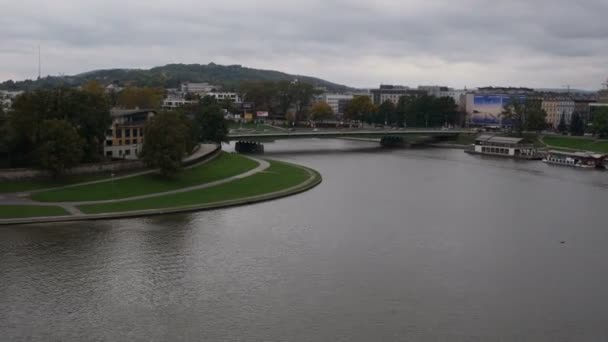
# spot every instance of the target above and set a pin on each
(252, 142)
(269, 136)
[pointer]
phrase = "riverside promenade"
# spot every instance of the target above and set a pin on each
(73, 209)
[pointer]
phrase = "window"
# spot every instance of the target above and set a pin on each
(119, 133)
(108, 142)
(127, 152)
(141, 132)
(128, 142)
(127, 132)
(109, 133)
(108, 153)
(120, 152)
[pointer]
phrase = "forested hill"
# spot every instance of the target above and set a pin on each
(171, 76)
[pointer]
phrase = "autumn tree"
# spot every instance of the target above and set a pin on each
(133, 97)
(359, 108)
(321, 111)
(94, 87)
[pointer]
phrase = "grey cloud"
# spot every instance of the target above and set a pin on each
(466, 37)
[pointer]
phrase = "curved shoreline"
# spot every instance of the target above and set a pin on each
(313, 180)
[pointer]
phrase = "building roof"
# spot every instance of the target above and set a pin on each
(579, 154)
(498, 139)
(115, 112)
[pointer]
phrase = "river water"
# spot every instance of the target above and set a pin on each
(402, 245)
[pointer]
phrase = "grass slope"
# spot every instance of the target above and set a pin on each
(583, 144)
(226, 165)
(29, 185)
(23, 211)
(278, 177)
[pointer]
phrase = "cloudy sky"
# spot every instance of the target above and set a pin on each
(537, 43)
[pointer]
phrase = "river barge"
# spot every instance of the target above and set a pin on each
(498, 146)
(585, 160)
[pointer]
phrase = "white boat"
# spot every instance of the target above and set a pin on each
(585, 160)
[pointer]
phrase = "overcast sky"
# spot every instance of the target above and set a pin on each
(537, 43)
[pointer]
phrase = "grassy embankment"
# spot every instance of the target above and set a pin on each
(576, 143)
(30, 185)
(278, 177)
(224, 166)
(25, 211)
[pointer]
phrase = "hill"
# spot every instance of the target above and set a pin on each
(171, 76)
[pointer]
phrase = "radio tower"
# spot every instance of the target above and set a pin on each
(39, 63)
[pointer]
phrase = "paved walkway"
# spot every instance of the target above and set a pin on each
(71, 207)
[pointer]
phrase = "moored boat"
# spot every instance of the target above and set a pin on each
(585, 160)
(515, 148)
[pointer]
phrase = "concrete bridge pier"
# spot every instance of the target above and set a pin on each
(392, 141)
(249, 147)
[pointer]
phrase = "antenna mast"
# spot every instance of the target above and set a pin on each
(39, 63)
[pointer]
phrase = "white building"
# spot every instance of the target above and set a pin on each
(175, 102)
(337, 102)
(198, 88)
(221, 96)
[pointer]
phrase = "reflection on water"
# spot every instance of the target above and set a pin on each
(428, 244)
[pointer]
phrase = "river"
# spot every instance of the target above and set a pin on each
(398, 245)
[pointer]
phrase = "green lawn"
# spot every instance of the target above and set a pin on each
(23, 211)
(279, 176)
(583, 144)
(23, 186)
(226, 165)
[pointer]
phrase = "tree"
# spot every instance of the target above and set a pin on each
(148, 98)
(95, 88)
(88, 112)
(359, 108)
(600, 122)
(513, 114)
(386, 113)
(321, 111)
(303, 94)
(211, 124)
(534, 115)
(562, 127)
(166, 142)
(577, 125)
(59, 148)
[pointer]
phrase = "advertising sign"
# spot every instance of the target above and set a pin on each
(262, 114)
(249, 116)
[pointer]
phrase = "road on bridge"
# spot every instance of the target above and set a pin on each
(343, 133)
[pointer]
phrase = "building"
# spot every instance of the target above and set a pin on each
(175, 102)
(221, 96)
(393, 93)
(7, 98)
(125, 137)
(443, 91)
(337, 102)
(582, 104)
(484, 106)
(198, 88)
(557, 106)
